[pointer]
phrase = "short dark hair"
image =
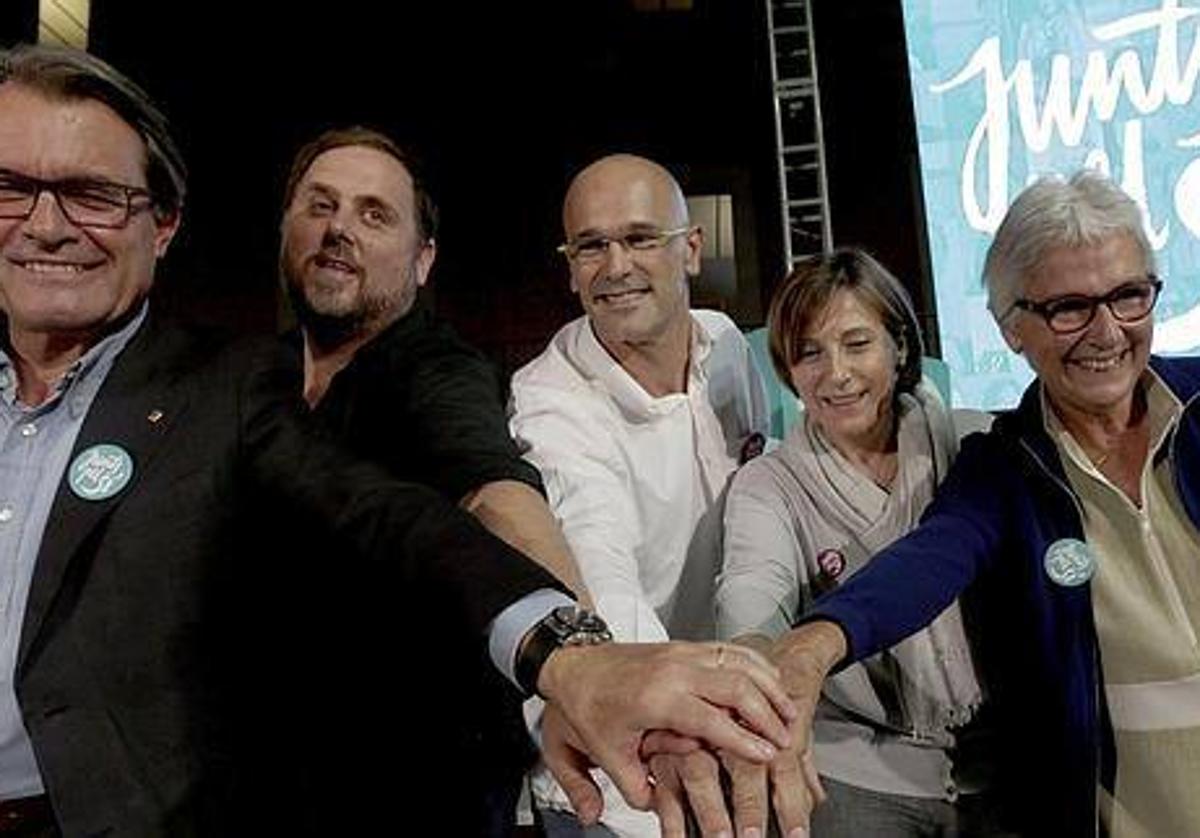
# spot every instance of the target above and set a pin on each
(807, 290)
(357, 135)
(71, 74)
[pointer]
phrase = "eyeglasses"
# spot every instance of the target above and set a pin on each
(1128, 302)
(85, 202)
(595, 248)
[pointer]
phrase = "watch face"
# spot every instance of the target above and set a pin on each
(562, 622)
(573, 625)
(565, 614)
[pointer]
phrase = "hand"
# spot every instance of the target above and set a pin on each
(692, 780)
(689, 780)
(688, 777)
(804, 656)
(794, 789)
(607, 697)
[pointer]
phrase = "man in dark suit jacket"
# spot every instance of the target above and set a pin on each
(132, 454)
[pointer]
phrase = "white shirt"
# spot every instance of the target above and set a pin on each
(635, 480)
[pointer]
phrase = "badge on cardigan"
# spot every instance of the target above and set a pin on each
(1069, 562)
(831, 562)
(100, 472)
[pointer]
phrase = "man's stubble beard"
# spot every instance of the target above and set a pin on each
(368, 313)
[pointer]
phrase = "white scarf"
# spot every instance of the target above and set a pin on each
(931, 673)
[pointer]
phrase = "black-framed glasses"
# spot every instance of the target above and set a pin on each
(595, 248)
(1128, 302)
(85, 202)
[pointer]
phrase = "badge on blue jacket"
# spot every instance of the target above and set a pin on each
(1069, 562)
(100, 472)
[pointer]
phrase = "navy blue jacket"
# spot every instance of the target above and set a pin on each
(985, 536)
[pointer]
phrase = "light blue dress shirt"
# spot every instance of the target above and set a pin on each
(35, 445)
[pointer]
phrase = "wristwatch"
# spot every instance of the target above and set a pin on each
(567, 625)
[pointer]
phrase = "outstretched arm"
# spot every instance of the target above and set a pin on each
(515, 512)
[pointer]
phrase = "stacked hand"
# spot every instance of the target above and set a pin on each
(603, 701)
(665, 720)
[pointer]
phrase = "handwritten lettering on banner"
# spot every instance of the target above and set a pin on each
(1095, 90)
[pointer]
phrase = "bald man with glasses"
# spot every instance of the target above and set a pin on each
(636, 414)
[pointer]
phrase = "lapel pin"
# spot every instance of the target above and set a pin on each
(101, 471)
(154, 416)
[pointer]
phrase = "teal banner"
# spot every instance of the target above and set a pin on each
(1006, 90)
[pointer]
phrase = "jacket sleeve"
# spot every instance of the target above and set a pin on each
(764, 574)
(422, 541)
(457, 403)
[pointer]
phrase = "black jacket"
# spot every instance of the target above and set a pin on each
(132, 668)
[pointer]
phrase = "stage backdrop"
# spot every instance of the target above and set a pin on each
(1005, 90)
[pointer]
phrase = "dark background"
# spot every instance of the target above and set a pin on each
(506, 101)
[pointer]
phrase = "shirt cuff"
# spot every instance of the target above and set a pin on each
(514, 622)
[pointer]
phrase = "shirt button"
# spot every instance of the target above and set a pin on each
(6, 514)
(28, 429)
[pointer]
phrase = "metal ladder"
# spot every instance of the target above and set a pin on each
(804, 195)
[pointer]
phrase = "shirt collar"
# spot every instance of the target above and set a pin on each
(98, 357)
(1163, 409)
(624, 388)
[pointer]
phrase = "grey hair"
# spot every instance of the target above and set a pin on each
(1052, 212)
(70, 74)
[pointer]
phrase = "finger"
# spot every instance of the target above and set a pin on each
(734, 691)
(628, 772)
(816, 790)
(764, 674)
(667, 742)
(720, 731)
(701, 777)
(668, 797)
(748, 794)
(570, 767)
(789, 793)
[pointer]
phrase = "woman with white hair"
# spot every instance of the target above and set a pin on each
(1078, 518)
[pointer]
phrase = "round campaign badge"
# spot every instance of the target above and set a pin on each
(100, 472)
(1069, 562)
(831, 562)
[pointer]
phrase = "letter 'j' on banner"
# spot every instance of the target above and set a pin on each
(1006, 90)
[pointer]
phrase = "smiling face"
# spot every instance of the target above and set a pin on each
(631, 296)
(59, 279)
(845, 370)
(1095, 370)
(351, 253)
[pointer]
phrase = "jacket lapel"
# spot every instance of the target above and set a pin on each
(136, 409)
